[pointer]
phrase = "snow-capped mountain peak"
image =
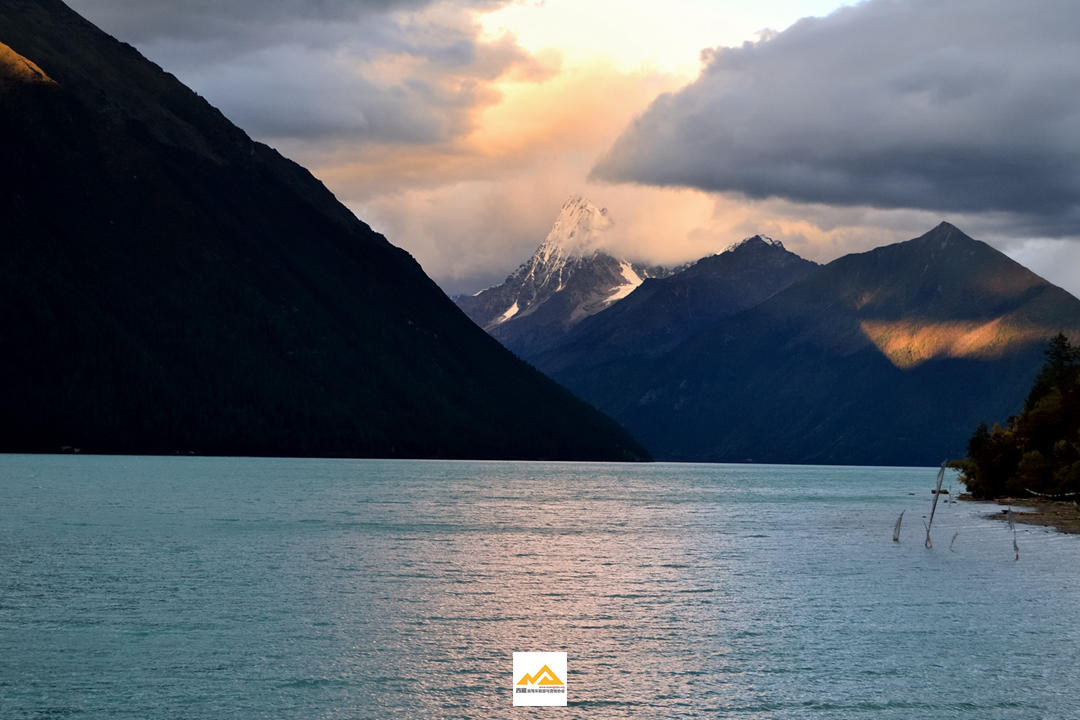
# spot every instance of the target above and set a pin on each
(569, 277)
(579, 231)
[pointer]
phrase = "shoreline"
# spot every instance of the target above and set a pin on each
(1060, 515)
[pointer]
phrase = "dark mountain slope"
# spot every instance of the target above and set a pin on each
(662, 312)
(885, 357)
(166, 284)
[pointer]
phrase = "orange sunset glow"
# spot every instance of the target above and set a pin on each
(457, 129)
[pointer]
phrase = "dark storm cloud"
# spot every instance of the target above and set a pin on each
(148, 20)
(956, 105)
(325, 73)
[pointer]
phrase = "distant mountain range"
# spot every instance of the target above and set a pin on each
(885, 357)
(567, 279)
(664, 311)
(169, 285)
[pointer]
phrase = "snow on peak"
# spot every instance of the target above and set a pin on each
(631, 281)
(510, 312)
(578, 231)
(755, 239)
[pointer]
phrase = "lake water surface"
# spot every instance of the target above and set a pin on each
(261, 588)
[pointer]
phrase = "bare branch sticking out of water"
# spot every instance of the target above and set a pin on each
(933, 508)
(1012, 526)
(896, 529)
(951, 542)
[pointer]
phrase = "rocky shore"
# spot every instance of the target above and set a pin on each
(1061, 515)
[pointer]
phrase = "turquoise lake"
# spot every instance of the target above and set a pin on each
(264, 588)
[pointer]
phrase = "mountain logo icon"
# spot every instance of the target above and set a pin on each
(543, 686)
(544, 676)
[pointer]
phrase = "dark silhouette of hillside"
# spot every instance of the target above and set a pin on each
(169, 285)
(884, 357)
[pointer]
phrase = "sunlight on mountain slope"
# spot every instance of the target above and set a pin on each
(14, 66)
(908, 343)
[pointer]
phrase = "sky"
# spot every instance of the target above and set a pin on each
(458, 127)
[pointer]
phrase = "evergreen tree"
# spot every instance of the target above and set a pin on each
(1059, 370)
(1038, 450)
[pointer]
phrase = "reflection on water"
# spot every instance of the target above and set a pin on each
(206, 588)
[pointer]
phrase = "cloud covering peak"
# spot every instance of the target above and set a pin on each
(959, 106)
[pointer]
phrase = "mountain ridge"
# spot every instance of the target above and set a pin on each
(171, 285)
(801, 377)
(663, 311)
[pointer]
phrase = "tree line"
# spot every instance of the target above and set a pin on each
(1037, 450)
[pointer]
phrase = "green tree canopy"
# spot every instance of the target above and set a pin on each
(1039, 449)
